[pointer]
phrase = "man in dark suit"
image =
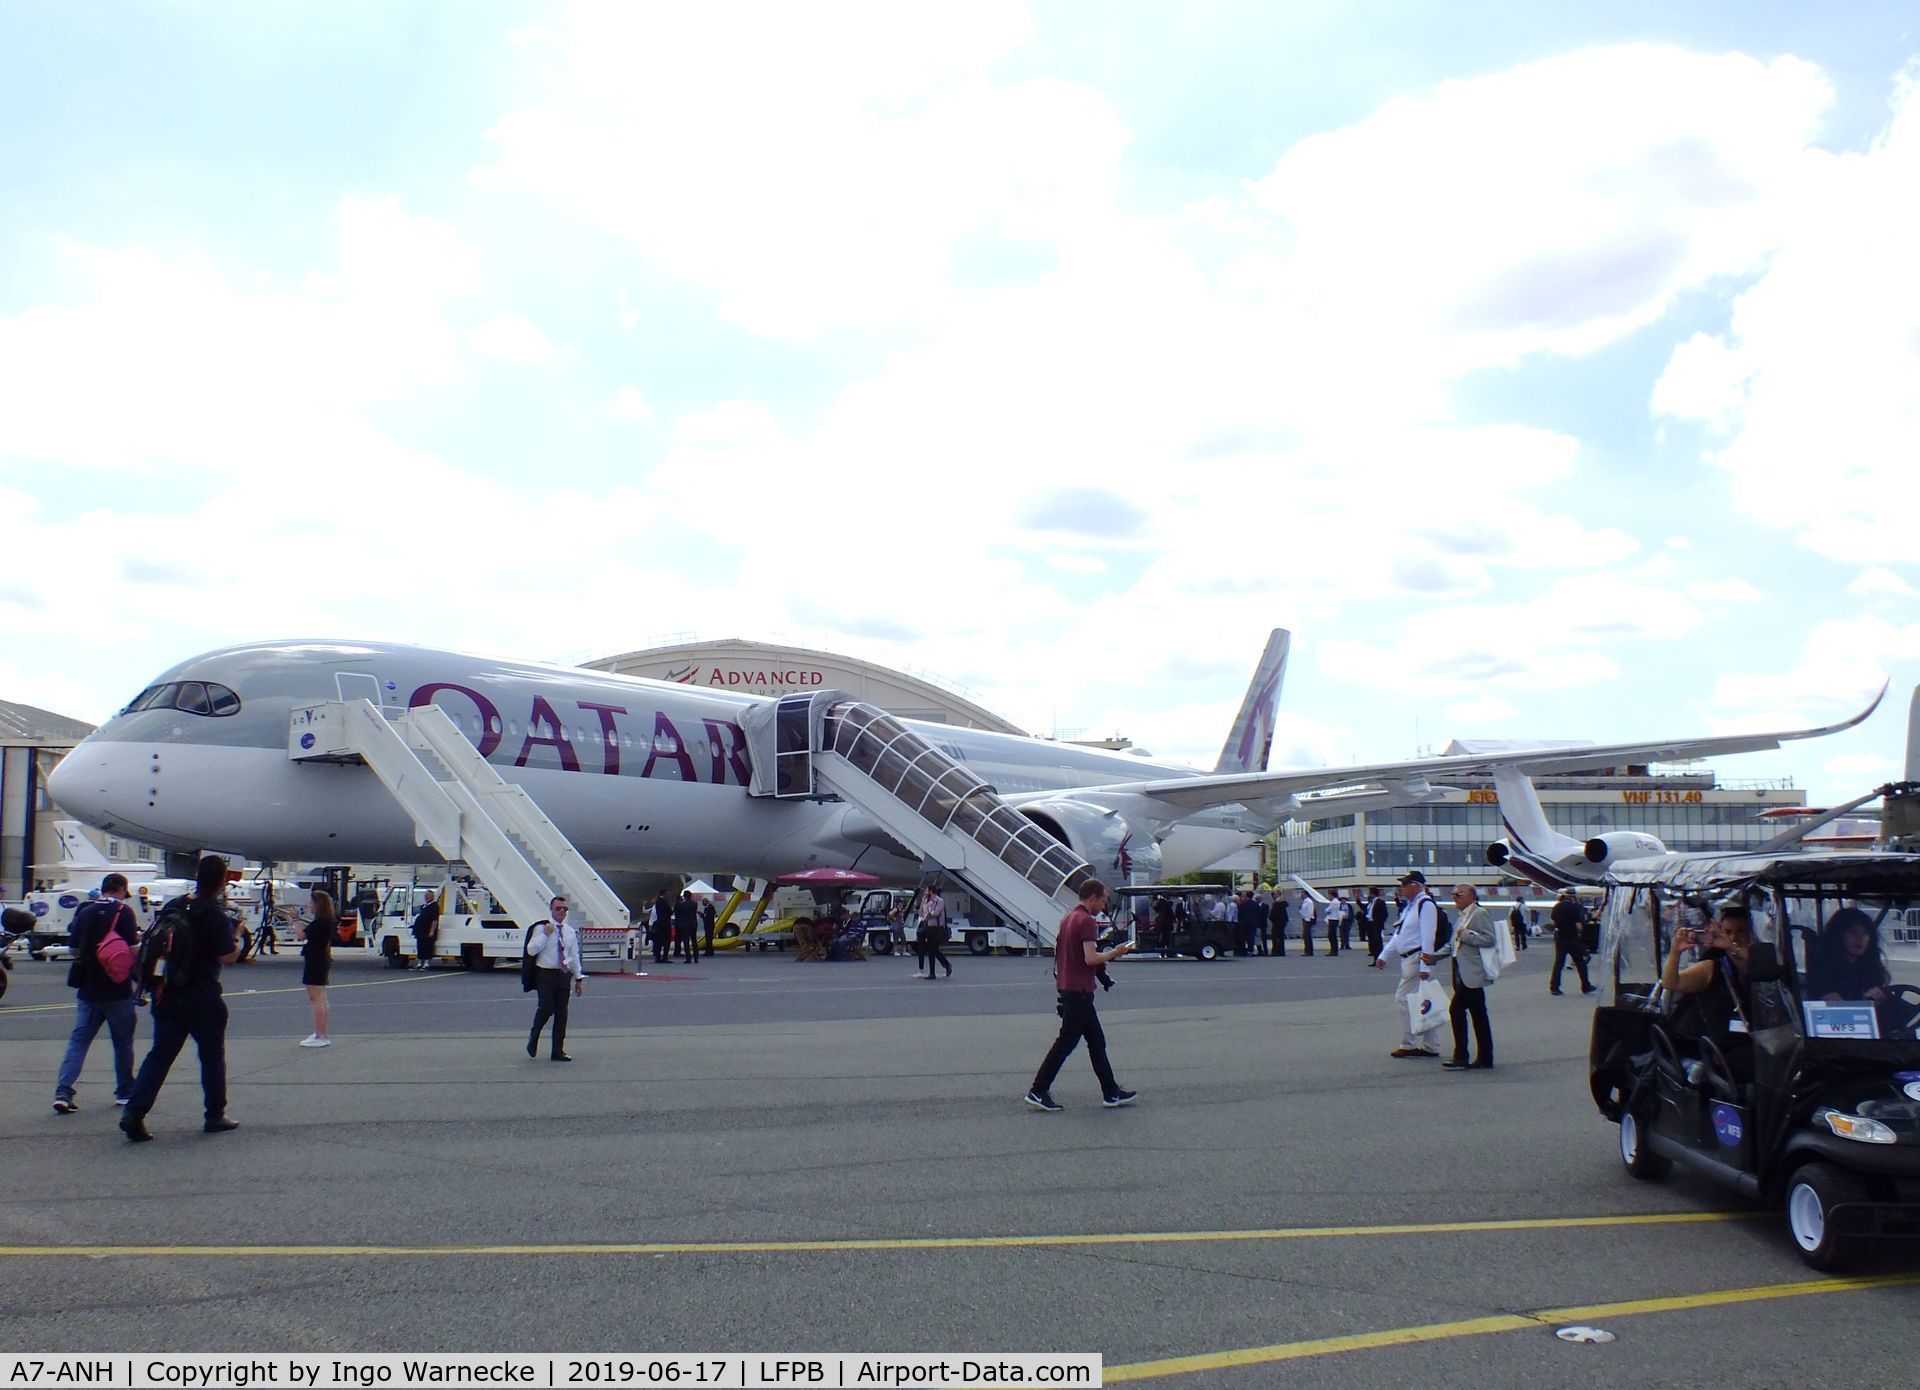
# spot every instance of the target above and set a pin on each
(1568, 921)
(1278, 924)
(686, 922)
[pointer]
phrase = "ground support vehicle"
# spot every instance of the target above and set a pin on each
(474, 932)
(1198, 936)
(1811, 1097)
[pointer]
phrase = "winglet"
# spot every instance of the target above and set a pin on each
(1250, 740)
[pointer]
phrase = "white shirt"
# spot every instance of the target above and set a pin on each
(1419, 922)
(558, 950)
(1308, 908)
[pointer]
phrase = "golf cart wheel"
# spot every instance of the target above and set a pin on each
(3, 984)
(880, 944)
(1208, 951)
(979, 944)
(1824, 1241)
(391, 952)
(1641, 1161)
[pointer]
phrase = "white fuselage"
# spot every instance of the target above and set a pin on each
(642, 776)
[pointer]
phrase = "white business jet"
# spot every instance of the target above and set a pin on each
(1533, 849)
(648, 777)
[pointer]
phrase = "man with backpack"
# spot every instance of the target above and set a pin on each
(179, 968)
(1414, 946)
(104, 935)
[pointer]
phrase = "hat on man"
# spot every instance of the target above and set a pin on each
(1414, 876)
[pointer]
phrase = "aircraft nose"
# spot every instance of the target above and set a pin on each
(96, 783)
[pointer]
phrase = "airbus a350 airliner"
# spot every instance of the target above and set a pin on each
(648, 777)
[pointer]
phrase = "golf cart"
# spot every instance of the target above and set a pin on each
(1810, 1095)
(1196, 936)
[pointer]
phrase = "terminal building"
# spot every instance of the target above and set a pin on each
(1447, 839)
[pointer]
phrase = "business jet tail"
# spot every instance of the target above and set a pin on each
(76, 850)
(1250, 740)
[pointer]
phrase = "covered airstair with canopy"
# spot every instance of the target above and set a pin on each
(824, 742)
(464, 809)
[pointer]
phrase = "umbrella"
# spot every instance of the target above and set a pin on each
(700, 886)
(828, 878)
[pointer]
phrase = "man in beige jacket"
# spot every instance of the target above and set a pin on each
(1472, 933)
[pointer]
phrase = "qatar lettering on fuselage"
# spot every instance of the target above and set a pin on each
(664, 741)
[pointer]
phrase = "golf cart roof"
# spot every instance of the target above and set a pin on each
(1868, 870)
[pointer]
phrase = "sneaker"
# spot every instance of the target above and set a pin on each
(222, 1125)
(120, 1101)
(315, 1040)
(1040, 1100)
(1119, 1098)
(64, 1106)
(1589, 989)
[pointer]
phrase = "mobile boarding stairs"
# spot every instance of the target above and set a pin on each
(465, 810)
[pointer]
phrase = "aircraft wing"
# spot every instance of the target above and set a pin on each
(1192, 794)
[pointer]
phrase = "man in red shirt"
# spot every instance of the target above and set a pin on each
(1077, 959)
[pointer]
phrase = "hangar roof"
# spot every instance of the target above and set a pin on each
(27, 724)
(758, 668)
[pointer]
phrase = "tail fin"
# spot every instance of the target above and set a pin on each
(1525, 818)
(1250, 739)
(76, 850)
(1913, 738)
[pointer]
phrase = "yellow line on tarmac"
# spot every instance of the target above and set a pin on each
(407, 979)
(766, 1247)
(1501, 1322)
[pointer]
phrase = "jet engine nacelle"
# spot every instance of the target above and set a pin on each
(1498, 853)
(1603, 850)
(1118, 853)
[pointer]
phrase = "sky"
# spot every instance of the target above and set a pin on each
(1549, 372)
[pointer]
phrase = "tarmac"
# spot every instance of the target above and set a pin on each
(751, 1154)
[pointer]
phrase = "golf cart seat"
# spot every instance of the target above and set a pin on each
(1707, 1071)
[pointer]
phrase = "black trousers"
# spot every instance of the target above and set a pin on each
(1563, 954)
(934, 953)
(1374, 943)
(1078, 1020)
(552, 988)
(1306, 938)
(199, 1015)
(1470, 1004)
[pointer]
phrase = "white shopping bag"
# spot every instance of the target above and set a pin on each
(1426, 1007)
(1503, 945)
(1490, 962)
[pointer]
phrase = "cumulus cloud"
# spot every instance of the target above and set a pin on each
(1734, 590)
(1560, 639)
(1817, 375)
(1483, 710)
(178, 360)
(514, 339)
(629, 404)
(1552, 207)
(829, 172)
(1880, 582)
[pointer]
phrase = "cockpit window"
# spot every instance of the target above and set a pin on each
(190, 697)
